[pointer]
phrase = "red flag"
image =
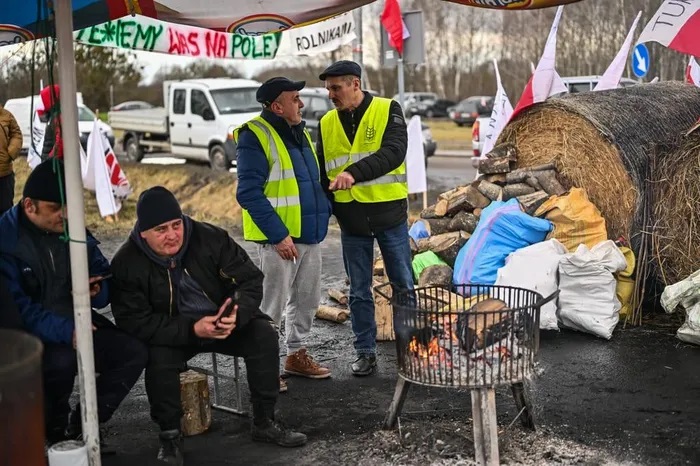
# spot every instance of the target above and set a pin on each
(392, 22)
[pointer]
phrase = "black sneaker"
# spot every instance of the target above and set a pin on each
(74, 431)
(273, 432)
(170, 451)
(365, 364)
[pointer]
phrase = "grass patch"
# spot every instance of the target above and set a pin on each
(448, 135)
(203, 194)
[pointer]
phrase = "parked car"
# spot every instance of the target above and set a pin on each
(410, 97)
(23, 110)
(132, 105)
(467, 111)
(429, 108)
(477, 141)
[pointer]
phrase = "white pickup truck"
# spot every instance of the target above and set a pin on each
(195, 123)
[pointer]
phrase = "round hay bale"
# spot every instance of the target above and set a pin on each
(604, 142)
(676, 244)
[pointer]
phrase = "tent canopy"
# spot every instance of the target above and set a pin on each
(26, 20)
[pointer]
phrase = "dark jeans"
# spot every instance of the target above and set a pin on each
(358, 255)
(7, 192)
(256, 343)
(119, 361)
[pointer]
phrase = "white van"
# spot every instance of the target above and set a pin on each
(23, 111)
(577, 84)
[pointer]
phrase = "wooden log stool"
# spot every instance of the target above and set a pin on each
(194, 396)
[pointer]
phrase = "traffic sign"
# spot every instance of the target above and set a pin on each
(640, 60)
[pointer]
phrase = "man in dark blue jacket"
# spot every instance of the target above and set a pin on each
(286, 211)
(35, 265)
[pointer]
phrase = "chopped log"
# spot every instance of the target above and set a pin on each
(447, 245)
(378, 267)
(496, 165)
(194, 397)
(437, 299)
(448, 194)
(496, 178)
(518, 189)
(441, 208)
(539, 168)
(531, 202)
(423, 245)
(521, 174)
(550, 184)
(532, 181)
(436, 275)
(338, 296)
(383, 314)
(332, 314)
(464, 221)
(477, 213)
(436, 226)
(490, 190)
(505, 150)
(414, 246)
(428, 212)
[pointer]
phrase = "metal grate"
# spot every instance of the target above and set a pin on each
(481, 336)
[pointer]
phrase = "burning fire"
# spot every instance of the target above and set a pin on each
(422, 351)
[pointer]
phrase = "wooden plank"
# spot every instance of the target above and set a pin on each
(332, 314)
(383, 315)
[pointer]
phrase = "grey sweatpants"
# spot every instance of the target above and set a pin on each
(292, 289)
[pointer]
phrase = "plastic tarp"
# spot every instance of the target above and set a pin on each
(625, 283)
(502, 229)
(587, 299)
(576, 219)
(686, 294)
(536, 268)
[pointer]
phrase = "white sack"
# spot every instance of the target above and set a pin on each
(685, 294)
(536, 268)
(587, 299)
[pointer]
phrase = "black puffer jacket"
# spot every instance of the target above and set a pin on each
(143, 296)
(362, 219)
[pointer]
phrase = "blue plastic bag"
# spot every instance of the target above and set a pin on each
(418, 231)
(503, 228)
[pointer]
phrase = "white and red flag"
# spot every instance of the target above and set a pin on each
(692, 72)
(676, 25)
(611, 77)
(545, 81)
(502, 110)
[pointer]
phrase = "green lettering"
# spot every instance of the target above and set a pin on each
(237, 39)
(246, 42)
(266, 44)
(125, 31)
(254, 47)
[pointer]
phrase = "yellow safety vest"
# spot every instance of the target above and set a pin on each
(281, 187)
(339, 154)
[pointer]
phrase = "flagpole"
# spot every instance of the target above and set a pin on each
(399, 65)
(76, 222)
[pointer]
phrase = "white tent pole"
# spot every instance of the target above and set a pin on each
(76, 224)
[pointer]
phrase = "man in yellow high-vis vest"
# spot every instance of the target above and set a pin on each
(285, 211)
(362, 150)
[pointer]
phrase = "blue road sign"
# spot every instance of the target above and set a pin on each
(640, 60)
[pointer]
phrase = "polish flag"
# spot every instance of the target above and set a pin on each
(675, 25)
(611, 77)
(393, 23)
(692, 73)
(545, 81)
(502, 110)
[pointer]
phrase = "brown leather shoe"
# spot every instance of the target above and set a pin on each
(301, 364)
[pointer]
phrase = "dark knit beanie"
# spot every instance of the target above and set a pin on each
(155, 206)
(43, 182)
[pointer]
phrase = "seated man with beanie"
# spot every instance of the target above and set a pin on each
(173, 279)
(35, 267)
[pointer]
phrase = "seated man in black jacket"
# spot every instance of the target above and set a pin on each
(173, 278)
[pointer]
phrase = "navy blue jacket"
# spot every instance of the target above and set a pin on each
(28, 276)
(253, 171)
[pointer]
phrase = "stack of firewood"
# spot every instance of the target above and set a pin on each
(454, 217)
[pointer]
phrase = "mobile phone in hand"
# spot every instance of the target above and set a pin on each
(229, 308)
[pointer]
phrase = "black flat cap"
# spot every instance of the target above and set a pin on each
(342, 68)
(273, 87)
